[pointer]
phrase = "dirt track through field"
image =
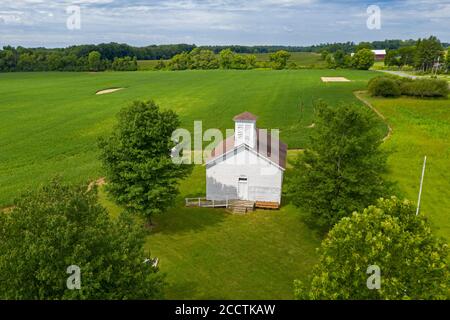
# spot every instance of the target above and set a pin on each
(358, 95)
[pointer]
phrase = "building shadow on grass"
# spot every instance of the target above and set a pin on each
(181, 219)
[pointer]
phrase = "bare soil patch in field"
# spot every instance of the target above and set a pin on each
(106, 91)
(334, 79)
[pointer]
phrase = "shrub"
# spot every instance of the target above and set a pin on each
(384, 87)
(425, 88)
(407, 68)
(394, 87)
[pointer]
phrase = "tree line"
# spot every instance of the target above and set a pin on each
(74, 58)
(423, 54)
(205, 59)
(426, 55)
(347, 47)
(22, 59)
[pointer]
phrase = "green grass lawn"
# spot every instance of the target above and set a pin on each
(421, 128)
(50, 122)
(211, 254)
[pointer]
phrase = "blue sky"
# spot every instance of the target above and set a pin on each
(247, 22)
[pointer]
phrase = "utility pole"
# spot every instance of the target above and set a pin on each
(421, 185)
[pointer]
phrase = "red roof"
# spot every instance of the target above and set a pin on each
(246, 116)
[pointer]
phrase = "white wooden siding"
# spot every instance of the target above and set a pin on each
(264, 178)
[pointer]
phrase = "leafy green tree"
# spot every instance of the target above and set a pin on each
(348, 61)
(342, 170)
(364, 59)
(202, 59)
(8, 59)
(392, 58)
(160, 65)
(95, 61)
(363, 45)
(331, 63)
(412, 262)
(407, 55)
(250, 61)
(54, 61)
(125, 64)
(137, 157)
(180, 62)
(428, 52)
(239, 62)
(226, 58)
(339, 59)
(324, 54)
(27, 62)
(448, 60)
(62, 225)
(279, 59)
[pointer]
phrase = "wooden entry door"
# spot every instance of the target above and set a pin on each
(243, 189)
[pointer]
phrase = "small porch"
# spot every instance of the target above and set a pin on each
(233, 205)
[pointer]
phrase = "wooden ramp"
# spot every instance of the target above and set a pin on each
(204, 203)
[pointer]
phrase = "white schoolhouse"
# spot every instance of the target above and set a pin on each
(247, 166)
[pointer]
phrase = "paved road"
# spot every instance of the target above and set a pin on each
(401, 74)
(406, 75)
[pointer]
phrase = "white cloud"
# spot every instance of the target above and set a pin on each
(143, 22)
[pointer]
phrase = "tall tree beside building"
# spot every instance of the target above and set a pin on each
(342, 171)
(137, 158)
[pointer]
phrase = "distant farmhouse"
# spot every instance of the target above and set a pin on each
(379, 54)
(248, 166)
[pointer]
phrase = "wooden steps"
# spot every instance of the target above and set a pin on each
(242, 206)
(267, 205)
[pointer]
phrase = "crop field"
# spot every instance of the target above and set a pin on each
(50, 122)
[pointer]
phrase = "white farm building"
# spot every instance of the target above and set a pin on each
(247, 166)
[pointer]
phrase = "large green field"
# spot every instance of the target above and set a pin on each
(50, 122)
